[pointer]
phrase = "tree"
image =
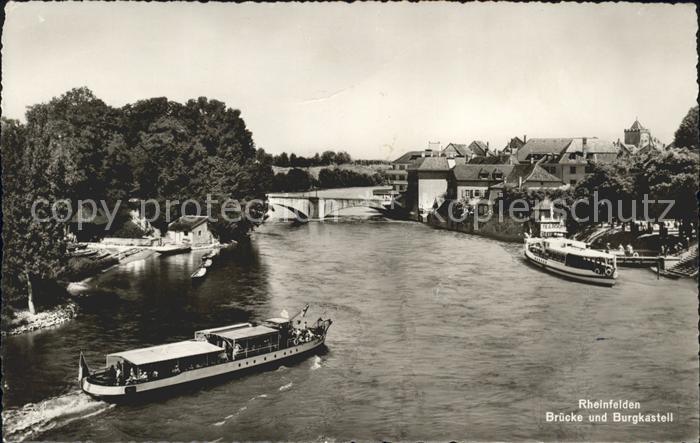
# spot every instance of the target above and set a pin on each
(687, 133)
(673, 176)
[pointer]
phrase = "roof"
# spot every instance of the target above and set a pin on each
(187, 222)
(497, 159)
(461, 148)
(478, 147)
(636, 126)
(471, 172)
(412, 155)
(253, 331)
(278, 320)
(434, 164)
(593, 145)
(541, 146)
(170, 351)
(407, 157)
(511, 173)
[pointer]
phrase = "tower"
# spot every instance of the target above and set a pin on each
(637, 135)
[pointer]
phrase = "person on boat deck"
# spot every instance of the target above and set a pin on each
(607, 247)
(176, 369)
(118, 375)
(236, 350)
(112, 374)
(621, 248)
(630, 249)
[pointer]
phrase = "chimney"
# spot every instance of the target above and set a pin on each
(584, 145)
(525, 138)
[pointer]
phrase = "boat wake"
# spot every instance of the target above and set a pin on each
(287, 386)
(316, 364)
(34, 419)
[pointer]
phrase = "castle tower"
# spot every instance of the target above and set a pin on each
(637, 135)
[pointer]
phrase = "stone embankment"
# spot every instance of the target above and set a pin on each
(505, 230)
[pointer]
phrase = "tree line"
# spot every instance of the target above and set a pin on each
(326, 158)
(299, 180)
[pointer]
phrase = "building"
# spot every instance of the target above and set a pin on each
(637, 135)
(567, 158)
(474, 149)
(640, 138)
(495, 158)
(427, 182)
(471, 182)
(397, 176)
(514, 144)
(192, 230)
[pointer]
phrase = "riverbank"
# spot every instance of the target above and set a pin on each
(24, 321)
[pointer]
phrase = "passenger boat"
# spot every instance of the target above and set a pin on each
(211, 353)
(572, 259)
(172, 249)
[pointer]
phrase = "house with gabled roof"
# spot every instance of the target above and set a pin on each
(397, 176)
(567, 158)
(473, 149)
(473, 182)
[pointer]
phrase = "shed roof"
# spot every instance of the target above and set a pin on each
(170, 351)
(246, 332)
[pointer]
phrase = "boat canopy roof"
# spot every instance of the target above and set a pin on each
(278, 320)
(170, 351)
(582, 252)
(253, 331)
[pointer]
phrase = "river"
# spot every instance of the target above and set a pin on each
(437, 335)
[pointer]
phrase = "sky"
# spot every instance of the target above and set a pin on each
(373, 79)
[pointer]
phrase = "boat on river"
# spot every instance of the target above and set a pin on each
(172, 249)
(572, 259)
(211, 353)
(199, 273)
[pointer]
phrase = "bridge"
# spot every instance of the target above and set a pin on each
(307, 208)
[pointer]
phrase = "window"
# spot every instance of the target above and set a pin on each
(199, 233)
(572, 156)
(572, 182)
(572, 169)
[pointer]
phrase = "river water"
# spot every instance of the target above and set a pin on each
(437, 335)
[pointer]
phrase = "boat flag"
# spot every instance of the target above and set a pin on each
(303, 311)
(83, 368)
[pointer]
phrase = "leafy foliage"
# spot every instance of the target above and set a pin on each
(687, 133)
(77, 147)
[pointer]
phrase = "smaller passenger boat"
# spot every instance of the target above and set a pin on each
(199, 273)
(572, 259)
(172, 249)
(211, 353)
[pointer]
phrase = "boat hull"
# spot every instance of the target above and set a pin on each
(173, 251)
(561, 270)
(141, 390)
